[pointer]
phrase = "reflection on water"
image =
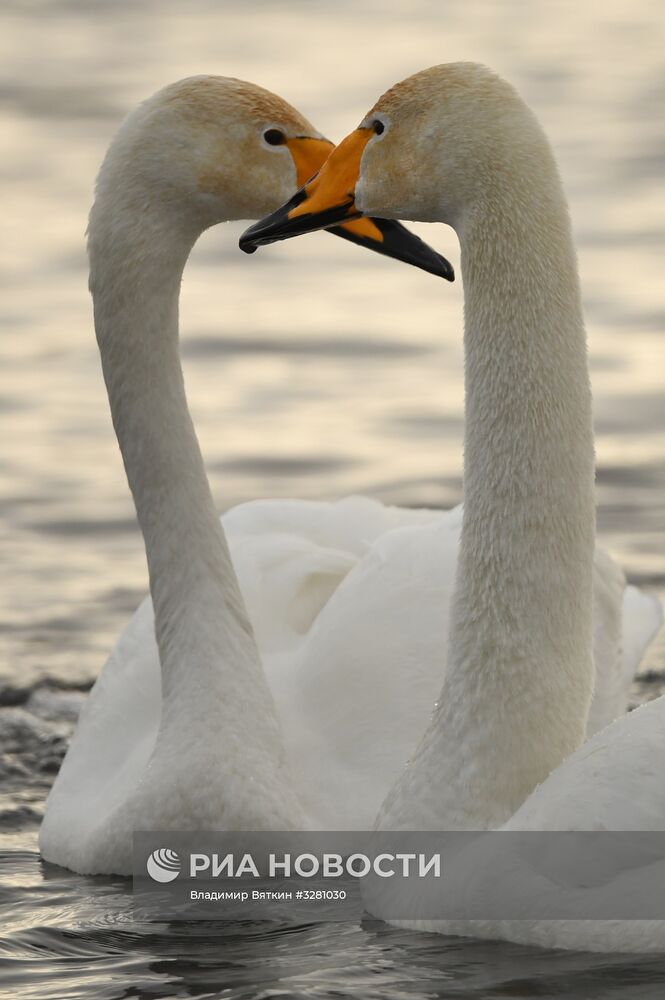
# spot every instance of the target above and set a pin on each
(315, 370)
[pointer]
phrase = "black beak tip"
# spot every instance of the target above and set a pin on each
(251, 239)
(401, 244)
(442, 268)
(274, 227)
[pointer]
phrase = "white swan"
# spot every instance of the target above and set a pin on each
(456, 144)
(197, 744)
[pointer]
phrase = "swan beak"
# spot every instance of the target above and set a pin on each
(326, 200)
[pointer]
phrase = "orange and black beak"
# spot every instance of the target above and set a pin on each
(327, 201)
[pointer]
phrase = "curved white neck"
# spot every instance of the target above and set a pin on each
(212, 679)
(519, 670)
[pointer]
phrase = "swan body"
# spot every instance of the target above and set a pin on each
(350, 606)
(504, 748)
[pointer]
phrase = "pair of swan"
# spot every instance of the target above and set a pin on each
(349, 601)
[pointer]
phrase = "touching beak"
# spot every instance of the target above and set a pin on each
(326, 200)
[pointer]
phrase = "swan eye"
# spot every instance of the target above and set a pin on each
(378, 127)
(274, 137)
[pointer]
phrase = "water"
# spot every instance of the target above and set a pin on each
(313, 369)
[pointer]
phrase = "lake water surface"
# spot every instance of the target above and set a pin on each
(313, 369)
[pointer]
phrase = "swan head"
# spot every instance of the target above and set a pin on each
(432, 148)
(212, 149)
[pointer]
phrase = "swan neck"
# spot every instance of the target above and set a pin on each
(521, 636)
(529, 465)
(207, 651)
(519, 670)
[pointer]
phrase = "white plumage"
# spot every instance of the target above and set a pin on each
(352, 603)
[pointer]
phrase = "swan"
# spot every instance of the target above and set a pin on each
(504, 748)
(193, 740)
